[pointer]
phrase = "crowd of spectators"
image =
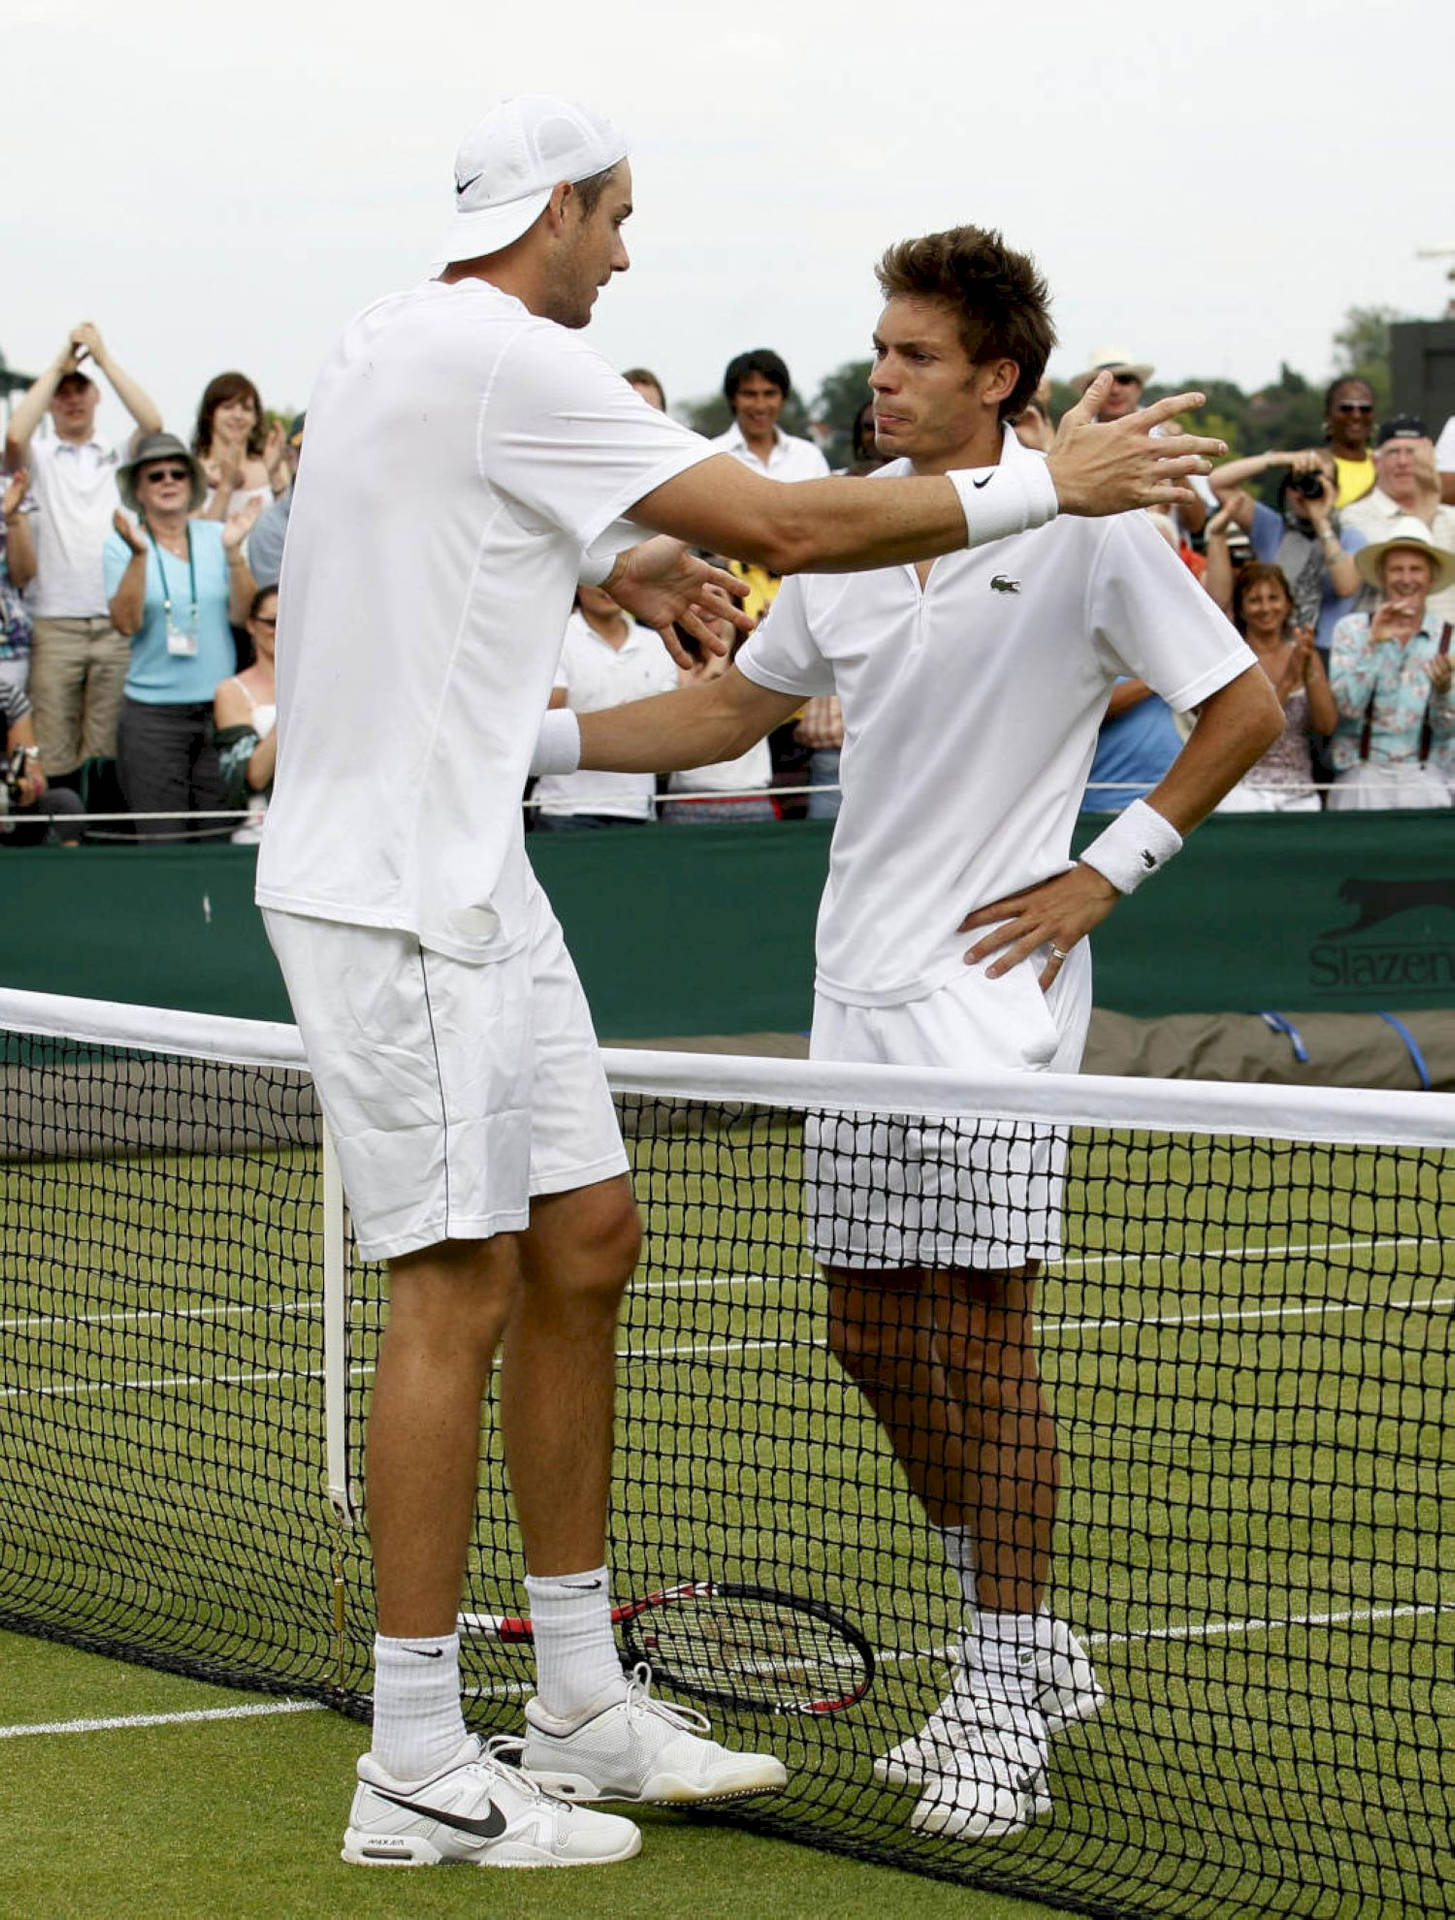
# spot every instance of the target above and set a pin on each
(139, 596)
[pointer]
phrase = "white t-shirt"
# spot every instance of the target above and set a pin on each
(73, 485)
(462, 455)
(970, 718)
(790, 459)
(594, 674)
(751, 772)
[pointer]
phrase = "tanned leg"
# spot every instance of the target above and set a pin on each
(986, 1345)
(448, 1309)
(558, 1380)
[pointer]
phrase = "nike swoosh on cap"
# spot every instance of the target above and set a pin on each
(489, 1828)
(465, 186)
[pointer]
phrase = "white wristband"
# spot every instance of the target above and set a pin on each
(1010, 498)
(558, 744)
(1135, 845)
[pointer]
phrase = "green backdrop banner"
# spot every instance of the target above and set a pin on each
(687, 930)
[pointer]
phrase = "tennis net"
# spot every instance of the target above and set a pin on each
(1245, 1339)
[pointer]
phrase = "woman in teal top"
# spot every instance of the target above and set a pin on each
(174, 585)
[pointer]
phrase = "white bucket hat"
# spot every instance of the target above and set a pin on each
(507, 166)
(1113, 360)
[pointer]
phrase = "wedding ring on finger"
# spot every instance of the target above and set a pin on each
(1058, 953)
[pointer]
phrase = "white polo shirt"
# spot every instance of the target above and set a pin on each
(462, 455)
(594, 674)
(971, 711)
(73, 486)
(790, 459)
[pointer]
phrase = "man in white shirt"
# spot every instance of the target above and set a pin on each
(447, 1033)
(606, 660)
(78, 659)
(971, 689)
(756, 386)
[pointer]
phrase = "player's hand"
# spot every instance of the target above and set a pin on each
(1111, 466)
(663, 582)
(1055, 914)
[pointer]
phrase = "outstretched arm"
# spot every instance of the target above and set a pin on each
(1235, 727)
(139, 404)
(714, 720)
(839, 525)
(30, 408)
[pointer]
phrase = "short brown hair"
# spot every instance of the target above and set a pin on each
(1251, 574)
(590, 190)
(1000, 299)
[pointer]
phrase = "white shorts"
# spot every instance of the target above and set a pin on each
(453, 1092)
(895, 1190)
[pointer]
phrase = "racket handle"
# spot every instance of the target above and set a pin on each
(508, 1628)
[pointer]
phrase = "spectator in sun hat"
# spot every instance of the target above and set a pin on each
(1408, 488)
(1128, 377)
(265, 542)
(78, 660)
(175, 582)
(1390, 671)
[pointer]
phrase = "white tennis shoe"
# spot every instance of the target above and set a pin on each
(992, 1781)
(479, 1811)
(1067, 1690)
(641, 1749)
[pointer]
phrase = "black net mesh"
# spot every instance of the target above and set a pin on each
(1244, 1343)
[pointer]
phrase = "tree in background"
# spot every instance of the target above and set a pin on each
(1363, 348)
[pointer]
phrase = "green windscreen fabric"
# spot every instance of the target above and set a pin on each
(685, 930)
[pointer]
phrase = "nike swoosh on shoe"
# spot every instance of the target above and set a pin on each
(489, 1828)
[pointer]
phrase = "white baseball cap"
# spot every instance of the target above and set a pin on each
(507, 166)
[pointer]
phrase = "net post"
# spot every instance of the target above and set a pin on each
(335, 1335)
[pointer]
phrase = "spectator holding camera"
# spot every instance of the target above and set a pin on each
(241, 461)
(1391, 675)
(1409, 488)
(78, 659)
(1283, 780)
(1304, 538)
(175, 583)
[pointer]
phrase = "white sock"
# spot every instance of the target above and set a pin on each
(959, 1545)
(578, 1669)
(1000, 1656)
(418, 1726)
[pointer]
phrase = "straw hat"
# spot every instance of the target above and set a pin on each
(1409, 533)
(1113, 360)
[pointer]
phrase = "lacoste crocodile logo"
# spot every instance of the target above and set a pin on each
(1000, 584)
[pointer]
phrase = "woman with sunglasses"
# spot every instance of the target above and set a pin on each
(173, 584)
(244, 712)
(1348, 424)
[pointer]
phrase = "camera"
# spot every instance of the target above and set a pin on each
(12, 774)
(1308, 486)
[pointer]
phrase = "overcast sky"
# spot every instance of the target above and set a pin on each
(222, 185)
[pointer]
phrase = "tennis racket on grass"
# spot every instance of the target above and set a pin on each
(736, 1646)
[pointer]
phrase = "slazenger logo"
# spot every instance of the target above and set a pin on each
(1418, 953)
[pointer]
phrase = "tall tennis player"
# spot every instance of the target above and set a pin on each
(972, 687)
(469, 460)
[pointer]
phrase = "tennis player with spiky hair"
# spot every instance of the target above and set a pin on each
(972, 688)
(420, 625)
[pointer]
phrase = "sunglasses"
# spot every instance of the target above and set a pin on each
(1350, 406)
(167, 473)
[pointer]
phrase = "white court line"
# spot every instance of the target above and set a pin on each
(134, 1316)
(1186, 1630)
(127, 1720)
(713, 1349)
